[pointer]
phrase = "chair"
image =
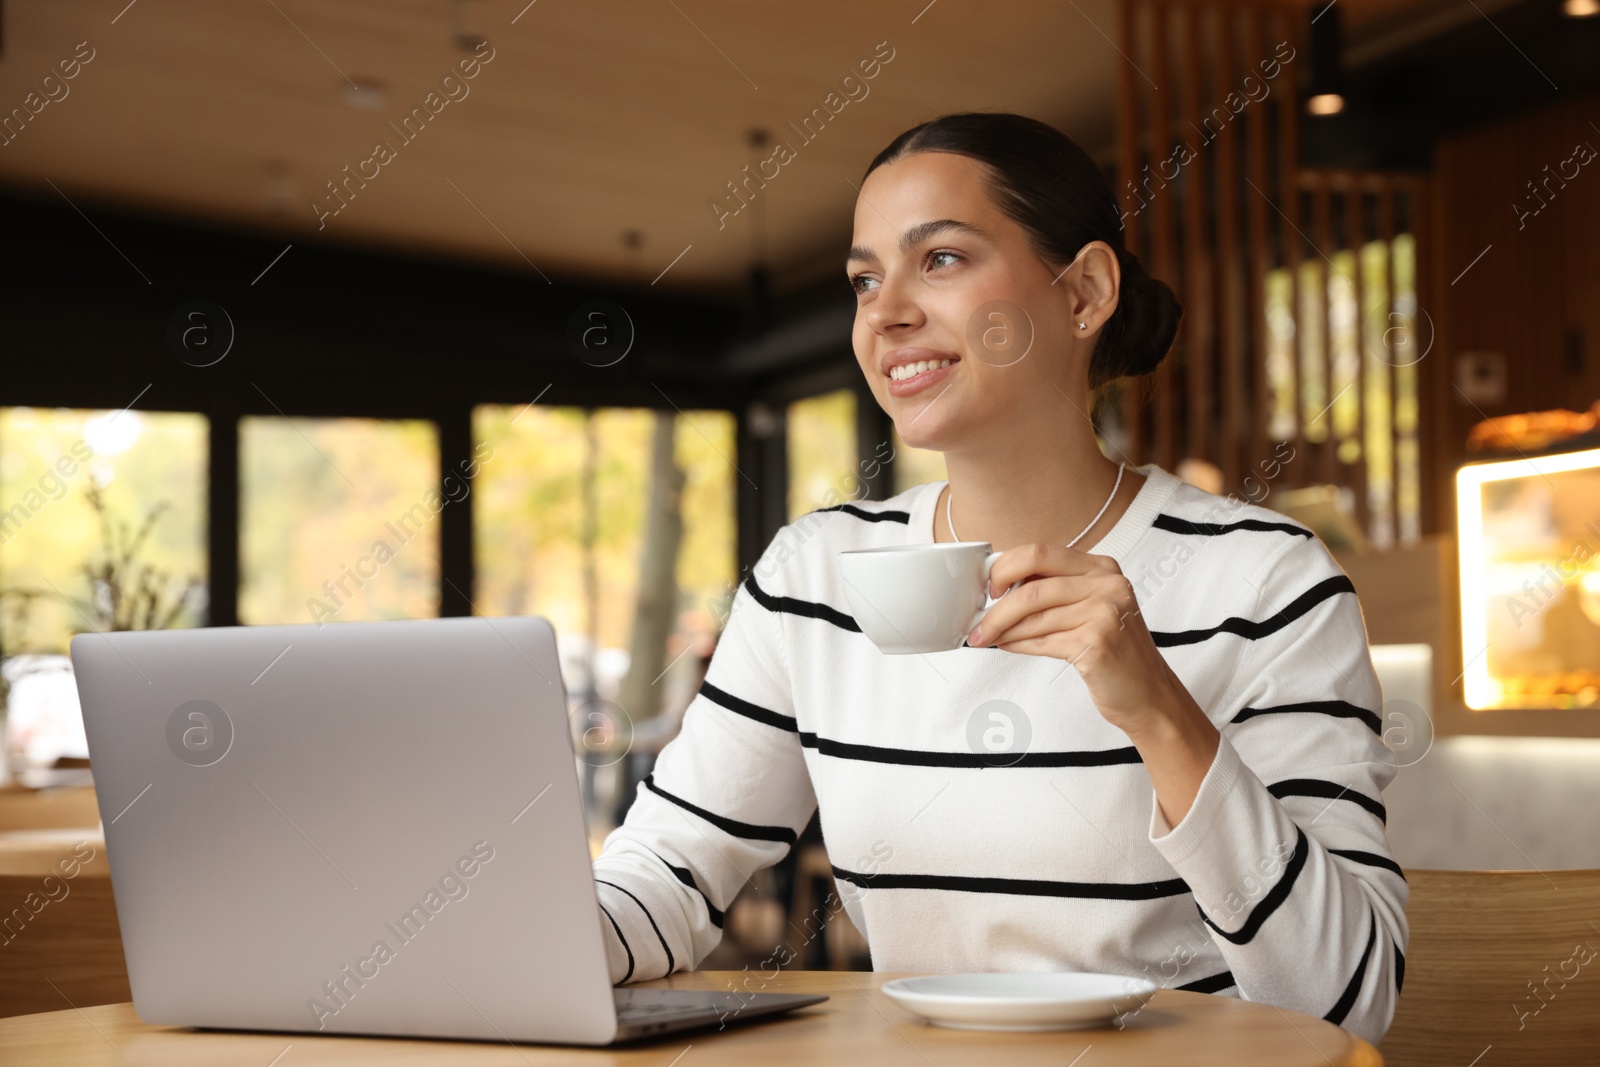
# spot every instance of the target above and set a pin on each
(1508, 959)
(842, 947)
(60, 945)
(38, 809)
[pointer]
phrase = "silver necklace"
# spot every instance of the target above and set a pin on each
(950, 498)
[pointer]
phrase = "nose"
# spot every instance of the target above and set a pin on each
(894, 306)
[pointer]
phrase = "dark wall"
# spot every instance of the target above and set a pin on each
(1400, 107)
(87, 302)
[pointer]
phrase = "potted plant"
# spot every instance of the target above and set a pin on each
(125, 592)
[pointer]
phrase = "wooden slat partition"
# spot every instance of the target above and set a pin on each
(1259, 242)
(1215, 202)
(1198, 279)
(1287, 23)
(1355, 226)
(1129, 122)
(1320, 421)
(1231, 378)
(1435, 493)
(1163, 225)
(1382, 523)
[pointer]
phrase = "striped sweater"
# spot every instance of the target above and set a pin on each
(981, 815)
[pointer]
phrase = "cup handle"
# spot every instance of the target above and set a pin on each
(988, 565)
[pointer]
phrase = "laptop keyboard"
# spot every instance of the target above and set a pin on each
(645, 1011)
(636, 1004)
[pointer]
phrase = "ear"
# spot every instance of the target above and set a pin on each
(1097, 285)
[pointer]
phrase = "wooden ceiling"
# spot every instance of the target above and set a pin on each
(591, 119)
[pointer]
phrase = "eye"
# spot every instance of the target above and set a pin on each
(856, 280)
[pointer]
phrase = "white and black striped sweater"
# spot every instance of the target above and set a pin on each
(964, 842)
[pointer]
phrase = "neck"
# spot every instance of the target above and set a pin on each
(1011, 492)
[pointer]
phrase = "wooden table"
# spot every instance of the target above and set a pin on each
(857, 1025)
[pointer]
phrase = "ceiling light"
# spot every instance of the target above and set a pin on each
(1580, 9)
(365, 94)
(467, 38)
(279, 186)
(1326, 92)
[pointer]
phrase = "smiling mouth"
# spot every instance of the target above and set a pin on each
(907, 371)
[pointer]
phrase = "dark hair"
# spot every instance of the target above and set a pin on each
(1050, 187)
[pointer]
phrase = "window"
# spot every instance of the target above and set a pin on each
(1370, 344)
(531, 524)
(71, 478)
(338, 519)
(823, 452)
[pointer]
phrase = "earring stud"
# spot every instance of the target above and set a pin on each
(1083, 325)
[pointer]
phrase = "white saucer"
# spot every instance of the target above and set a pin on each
(1047, 1000)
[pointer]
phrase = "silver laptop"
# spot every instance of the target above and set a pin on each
(359, 828)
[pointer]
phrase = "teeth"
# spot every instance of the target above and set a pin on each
(911, 370)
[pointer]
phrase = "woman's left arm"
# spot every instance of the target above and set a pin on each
(1275, 821)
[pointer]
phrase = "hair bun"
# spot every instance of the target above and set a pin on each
(1141, 330)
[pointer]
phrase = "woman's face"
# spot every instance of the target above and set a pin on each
(965, 286)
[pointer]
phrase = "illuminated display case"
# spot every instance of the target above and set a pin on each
(1529, 537)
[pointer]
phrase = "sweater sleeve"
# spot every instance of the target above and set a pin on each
(1284, 846)
(728, 796)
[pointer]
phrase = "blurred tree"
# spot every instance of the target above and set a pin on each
(529, 503)
(655, 611)
(127, 592)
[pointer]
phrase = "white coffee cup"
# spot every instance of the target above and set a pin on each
(919, 598)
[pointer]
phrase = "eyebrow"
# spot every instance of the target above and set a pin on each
(917, 234)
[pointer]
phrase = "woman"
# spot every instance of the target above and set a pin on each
(1159, 755)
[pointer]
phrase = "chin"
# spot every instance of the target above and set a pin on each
(928, 433)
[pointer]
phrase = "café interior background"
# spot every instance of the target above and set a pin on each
(342, 311)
